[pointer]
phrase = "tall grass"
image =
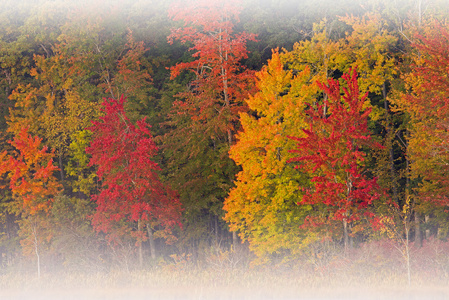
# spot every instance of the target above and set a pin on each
(376, 268)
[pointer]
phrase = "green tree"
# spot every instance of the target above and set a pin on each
(204, 119)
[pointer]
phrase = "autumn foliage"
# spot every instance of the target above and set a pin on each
(331, 125)
(428, 108)
(131, 190)
(220, 80)
(262, 205)
(332, 155)
(29, 170)
(30, 174)
(204, 117)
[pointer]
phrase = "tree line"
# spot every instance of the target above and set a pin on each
(132, 130)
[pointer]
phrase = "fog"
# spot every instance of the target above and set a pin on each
(217, 284)
(227, 293)
(81, 261)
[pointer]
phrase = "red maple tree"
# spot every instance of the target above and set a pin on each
(131, 192)
(331, 154)
(221, 82)
(205, 117)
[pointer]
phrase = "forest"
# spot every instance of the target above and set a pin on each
(304, 135)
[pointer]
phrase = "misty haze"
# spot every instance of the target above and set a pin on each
(224, 149)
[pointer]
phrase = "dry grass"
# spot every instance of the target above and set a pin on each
(211, 284)
(374, 271)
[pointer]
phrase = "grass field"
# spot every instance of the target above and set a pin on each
(375, 271)
(214, 285)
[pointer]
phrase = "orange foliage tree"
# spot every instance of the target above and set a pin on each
(426, 101)
(29, 170)
(262, 205)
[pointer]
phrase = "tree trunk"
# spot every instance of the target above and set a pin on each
(61, 169)
(407, 255)
(427, 220)
(351, 238)
(389, 129)
(151, 242)
(345, 234)
(139, 229)
(216, 229)
(36, 250)
(439, 233)
(235, 241)
(418, 236)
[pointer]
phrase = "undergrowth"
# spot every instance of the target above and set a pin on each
(377, 264)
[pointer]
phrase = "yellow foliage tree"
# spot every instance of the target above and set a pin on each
(262, 206)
